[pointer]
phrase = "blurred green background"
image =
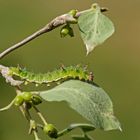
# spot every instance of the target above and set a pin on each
(115, 63)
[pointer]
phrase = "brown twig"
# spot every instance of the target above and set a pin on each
(58, 21)
(5, 71)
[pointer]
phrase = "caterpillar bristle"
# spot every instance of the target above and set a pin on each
(91, 76)
(62, 67)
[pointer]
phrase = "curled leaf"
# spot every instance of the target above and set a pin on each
(94, 27)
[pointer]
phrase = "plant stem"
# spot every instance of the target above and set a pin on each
(25, 41)
(33, 128)
(12, 102)
(40, 115)
(36, 135)
(84, 127)
(25, 114)
(8, 106)
(58, 21)
(5, 71)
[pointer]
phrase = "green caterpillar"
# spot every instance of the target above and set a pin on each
(61, 74)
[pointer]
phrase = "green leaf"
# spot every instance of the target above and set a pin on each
(94, 27)
(89, 100)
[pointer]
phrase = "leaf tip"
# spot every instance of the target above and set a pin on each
(89, 48)
(87, 53)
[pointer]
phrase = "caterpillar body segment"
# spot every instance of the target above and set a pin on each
(58, 75)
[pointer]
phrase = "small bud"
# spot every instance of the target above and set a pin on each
(64, 32)
(50, 130)
(27, 96)
(19, 100)
(28, 105)
(73, 12)
(36, 99)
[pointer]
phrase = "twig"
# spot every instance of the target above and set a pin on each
(33, 126)
(40, 115)
(8, 106)
(58, 21)
(5, 71)
(36, 135)
(22, 109)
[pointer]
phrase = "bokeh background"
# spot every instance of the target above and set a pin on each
(116, 63)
